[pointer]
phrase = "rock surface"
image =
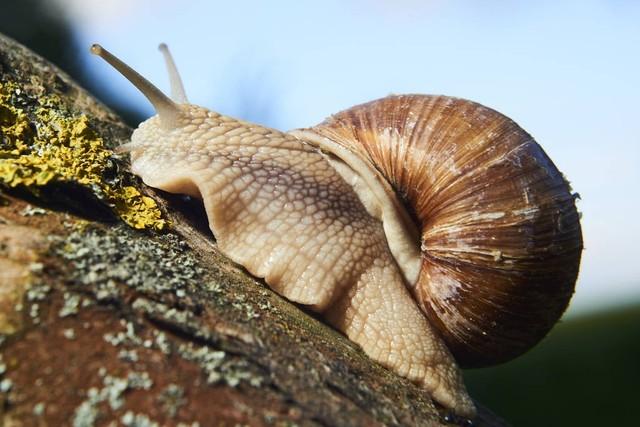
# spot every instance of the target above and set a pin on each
(115, 305)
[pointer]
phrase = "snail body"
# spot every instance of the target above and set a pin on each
(427, 229)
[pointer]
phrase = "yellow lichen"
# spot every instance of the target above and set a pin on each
(55, 145)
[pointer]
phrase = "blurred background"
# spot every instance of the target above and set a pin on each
(567, 72)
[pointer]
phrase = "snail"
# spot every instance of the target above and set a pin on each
(432, 231)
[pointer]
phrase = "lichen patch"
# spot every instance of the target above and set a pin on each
(48, 143)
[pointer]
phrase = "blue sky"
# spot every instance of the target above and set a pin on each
(567, 72)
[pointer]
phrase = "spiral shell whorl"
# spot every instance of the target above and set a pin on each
(501, 239)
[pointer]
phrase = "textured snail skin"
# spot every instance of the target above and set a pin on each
(279, 208)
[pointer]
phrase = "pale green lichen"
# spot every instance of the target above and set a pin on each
(52, 144)
(5, 385)
(220, 367)
(103, 259)
(39, 409)
(130, 419)
(33, 211)
(128, 355)
(71, 304)
(112, 392)
(171, 399)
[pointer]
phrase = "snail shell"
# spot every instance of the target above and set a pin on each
(437, 195)
(499, 232)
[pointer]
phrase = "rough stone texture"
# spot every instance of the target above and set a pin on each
(104, 323)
